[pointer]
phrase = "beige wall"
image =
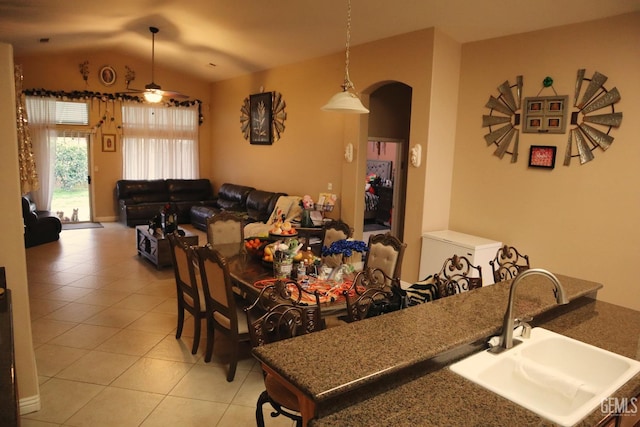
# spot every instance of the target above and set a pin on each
(580, 220)
(12, 254)
(310, 153)
(62, 73)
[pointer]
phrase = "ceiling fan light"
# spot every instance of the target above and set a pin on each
(345, 102)
(152, 96)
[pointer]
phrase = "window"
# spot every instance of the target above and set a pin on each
(159, 142)
(72, 113)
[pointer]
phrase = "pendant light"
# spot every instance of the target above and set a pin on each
(346, 101)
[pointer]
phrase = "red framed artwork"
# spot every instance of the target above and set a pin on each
(542, 156)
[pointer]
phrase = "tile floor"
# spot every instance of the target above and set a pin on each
(103, 324)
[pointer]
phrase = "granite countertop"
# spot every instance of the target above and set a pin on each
(445, 398)
(340, 366)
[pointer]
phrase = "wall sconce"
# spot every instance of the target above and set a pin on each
(416, 155)
(348, 153)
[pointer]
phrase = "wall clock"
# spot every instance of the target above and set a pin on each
(503, 118)
(595, 118)
(262, 117)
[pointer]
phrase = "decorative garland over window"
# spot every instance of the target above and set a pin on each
(105, 97)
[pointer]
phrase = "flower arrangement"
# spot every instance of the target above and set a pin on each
(306, 202)
(345, 248)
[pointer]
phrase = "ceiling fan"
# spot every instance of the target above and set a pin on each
(152, 92)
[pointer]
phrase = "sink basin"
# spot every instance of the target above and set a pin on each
(557, 377)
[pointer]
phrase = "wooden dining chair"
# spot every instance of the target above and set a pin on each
(274, 316)
(508, 263)
(458, 275)
(223, 312)
(225, 227)
(334, 231)
(385, 252)
(372, 293)
(189, 290)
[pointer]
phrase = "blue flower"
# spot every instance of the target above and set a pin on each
(345, 248)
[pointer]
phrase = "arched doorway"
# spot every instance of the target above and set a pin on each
(387, 158)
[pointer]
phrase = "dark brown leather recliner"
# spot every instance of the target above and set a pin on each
(39, 226)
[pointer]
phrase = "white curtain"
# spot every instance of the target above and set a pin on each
(41, 113)
(159, 142)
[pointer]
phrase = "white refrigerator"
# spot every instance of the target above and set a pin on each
(437, 246)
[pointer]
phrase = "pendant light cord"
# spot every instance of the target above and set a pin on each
(348, 84)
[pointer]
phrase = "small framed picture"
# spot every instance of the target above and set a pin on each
(260, 118)
(109, 142)
(107, 75)
(542, 156)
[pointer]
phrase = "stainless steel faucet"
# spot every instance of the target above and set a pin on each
(506, 338)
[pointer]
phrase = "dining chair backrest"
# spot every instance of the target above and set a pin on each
(372, 293)
(277, 314)
(508, 263)
(385, 253)
(190, 294)
(224, 227)
(216, 283)
(335, 230)
(458, 275)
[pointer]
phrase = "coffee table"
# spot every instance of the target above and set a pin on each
(155, 247)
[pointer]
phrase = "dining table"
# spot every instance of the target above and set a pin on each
(250, 273)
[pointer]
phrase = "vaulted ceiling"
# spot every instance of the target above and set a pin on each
(220, 39)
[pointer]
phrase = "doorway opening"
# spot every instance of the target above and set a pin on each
(387, 160)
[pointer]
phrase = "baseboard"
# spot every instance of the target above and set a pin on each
(30, 404)
(106, 219)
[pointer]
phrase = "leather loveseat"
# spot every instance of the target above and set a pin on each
(251, 204)
(39, 226)
(141, 200)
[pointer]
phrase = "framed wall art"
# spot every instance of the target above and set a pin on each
(109, 142)
(107, 75)
(542, 156)
(545, 114)
(261, 115)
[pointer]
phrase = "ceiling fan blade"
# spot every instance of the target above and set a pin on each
(173, 94)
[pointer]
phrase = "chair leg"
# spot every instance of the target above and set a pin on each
(262, 399)
(210, 335)
(197, 320)
(233, 364)
(180, 319)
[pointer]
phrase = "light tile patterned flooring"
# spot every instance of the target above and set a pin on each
(103, 323)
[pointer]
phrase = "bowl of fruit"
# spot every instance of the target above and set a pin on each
(255, 246)
(282, 229)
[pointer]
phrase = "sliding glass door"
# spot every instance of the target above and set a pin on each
(71, 193)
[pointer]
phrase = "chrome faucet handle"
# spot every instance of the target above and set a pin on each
(526, 327)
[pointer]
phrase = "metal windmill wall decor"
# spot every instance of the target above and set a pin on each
(503, 119)
(592, 122)
(593, 130)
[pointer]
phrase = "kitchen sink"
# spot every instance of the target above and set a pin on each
(557, 377)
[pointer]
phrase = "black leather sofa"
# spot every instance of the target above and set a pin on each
(253, 205)
(39, 226)
(141, 200)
